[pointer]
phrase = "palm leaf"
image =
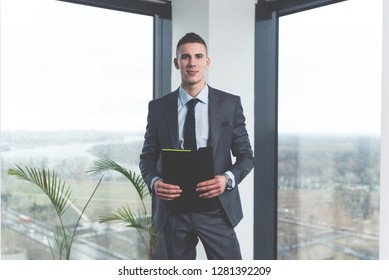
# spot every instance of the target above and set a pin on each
(124, 215)
(129, 219)
(55, 188)
(139, 222)
(104, 164)
(49, 183)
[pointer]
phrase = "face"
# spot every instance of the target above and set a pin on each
(192, 61)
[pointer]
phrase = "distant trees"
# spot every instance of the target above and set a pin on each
(315, 162)
(337, 175)
(121, 152)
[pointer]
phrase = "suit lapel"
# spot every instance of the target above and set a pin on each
(172, 119)
(215, 117)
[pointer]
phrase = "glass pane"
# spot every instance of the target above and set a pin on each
(75, 83)
(329, 132)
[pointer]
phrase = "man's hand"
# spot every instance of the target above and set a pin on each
(166, 191)
(212, 188)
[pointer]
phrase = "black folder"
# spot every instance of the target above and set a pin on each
(186, 169)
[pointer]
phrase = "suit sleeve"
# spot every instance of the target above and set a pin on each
(151, 150)
(240, 146)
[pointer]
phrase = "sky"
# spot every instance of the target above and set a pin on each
(330, 68)
(67, 66)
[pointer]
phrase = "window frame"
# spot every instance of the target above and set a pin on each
(267, 16)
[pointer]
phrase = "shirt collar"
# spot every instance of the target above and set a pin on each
(202, 96)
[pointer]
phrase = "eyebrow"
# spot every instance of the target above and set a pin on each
(196, 54)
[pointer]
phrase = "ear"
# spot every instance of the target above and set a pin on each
(208, 62)
(176, 63)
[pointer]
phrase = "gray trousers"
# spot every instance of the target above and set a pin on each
(183, 231)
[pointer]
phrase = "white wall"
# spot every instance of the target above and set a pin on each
(228, 30)
(188, 16)
(384, 195)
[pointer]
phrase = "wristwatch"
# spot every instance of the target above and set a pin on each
(229, 186)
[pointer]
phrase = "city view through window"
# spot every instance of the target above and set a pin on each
(329, 132)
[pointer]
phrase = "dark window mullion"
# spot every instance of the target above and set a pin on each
(295, 6)
(162, 56)
(265, 176)
(138, 7)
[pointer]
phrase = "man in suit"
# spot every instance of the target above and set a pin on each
(220, 124)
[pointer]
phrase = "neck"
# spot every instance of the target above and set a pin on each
(194, 89)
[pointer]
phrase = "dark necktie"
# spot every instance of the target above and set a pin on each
(190, 127)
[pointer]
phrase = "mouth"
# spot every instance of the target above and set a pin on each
(191, 72)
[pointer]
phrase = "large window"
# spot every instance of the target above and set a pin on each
(75, 83)
(329, 132)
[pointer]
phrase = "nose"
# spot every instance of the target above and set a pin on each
(191, 62)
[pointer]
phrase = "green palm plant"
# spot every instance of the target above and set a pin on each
(142, 220)
(59, 195)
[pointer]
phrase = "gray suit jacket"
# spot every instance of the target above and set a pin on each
(227, 133)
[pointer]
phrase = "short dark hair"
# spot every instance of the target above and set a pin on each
(191, 38)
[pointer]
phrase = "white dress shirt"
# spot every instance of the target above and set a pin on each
(201, 116)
